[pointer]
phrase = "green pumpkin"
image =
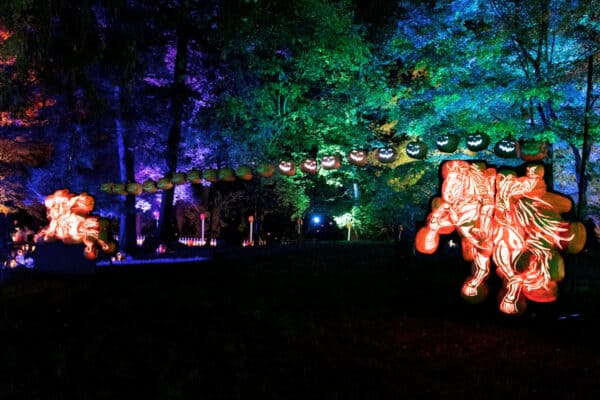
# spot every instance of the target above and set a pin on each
(478, 141)
(134, 188)
(119, 188)
(309, 166)
(210, 175)
(507, 148)
(164, 184)
(179, 178)
(244, 172)
(265, 169)
(417, 150)
(194, 176)
(149, 186)
(106, 187)
(226, 174)
(447, 143)
(533, 150)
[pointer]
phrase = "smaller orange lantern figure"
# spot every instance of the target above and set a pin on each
(70, 222)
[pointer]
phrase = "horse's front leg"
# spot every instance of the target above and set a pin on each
(475, 286)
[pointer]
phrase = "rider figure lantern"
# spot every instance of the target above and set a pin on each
(70, 222)
(508, 220)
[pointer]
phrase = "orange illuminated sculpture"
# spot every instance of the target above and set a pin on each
(70, 222)
(508, 220)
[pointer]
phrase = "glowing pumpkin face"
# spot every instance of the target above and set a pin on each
(287, 168)
(478, 141)
(308, 166)
(330, 162)
(357, 157)
(416, 150)
(447, 143)
(386, 155)
(507, 148)
(106, 187)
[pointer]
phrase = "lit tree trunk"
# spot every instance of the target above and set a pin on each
(585, 150)
(165, 225)
(127, 233)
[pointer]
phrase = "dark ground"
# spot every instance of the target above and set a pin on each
(321, 320)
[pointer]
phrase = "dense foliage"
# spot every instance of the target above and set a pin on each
(133, 90)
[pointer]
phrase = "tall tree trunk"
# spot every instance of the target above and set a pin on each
(585, 149)
(127, 231)
(166, 227)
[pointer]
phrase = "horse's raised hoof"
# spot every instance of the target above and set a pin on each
(474, 294)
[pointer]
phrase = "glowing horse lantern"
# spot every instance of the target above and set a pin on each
(512, 221)
(70, 222)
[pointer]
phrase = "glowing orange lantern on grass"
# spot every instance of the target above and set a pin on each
(509, 220)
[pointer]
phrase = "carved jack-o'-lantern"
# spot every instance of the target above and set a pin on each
(164, 184)
(416, 150)
(287, 168)
(194, 176)
(533, 150)
(265, 169)
(386, 154)
(507, 148)
(308, 166)
(447, 143)
(478, 141)
(244, 172)
(210, 175)
(149, 186)
(134, 188)
(357, 157)
(226, 174)
(330, 162)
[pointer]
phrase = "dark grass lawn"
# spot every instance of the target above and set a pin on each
(321, 320)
